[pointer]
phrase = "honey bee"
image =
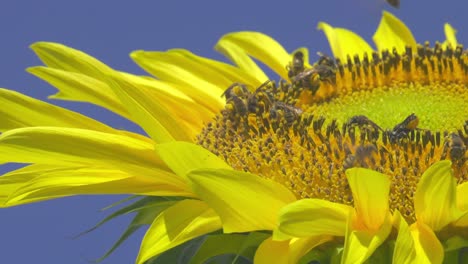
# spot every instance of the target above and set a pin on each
(235, 90)
(289, 112)
(358, 158)
(457, 147)
(311, 78)
(297, 64)
(363, 122)
(402, 130)
(394, 3)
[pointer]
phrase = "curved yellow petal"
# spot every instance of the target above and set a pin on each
(183, 157)
(40, 182)
(462, 197)
(298, 247)
(416, 244)
(344, 42)
(462, 204)
(147, 111)
(70, 147)
(370, 193)
(18, 110)
(288, 251)
(271, 251)
(262, 47)
(238, 56)
(428, 248)
(312, 217)
(404, 252)
(435, 196)
(181, 222)
(393, 33)
(80, 87)
(175, 68)
(59, 56)
(450, 35)
(245, 202)
(361, 244)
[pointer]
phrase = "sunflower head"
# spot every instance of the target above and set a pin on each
(395, 112)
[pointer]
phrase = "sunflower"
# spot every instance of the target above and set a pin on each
(360, 157)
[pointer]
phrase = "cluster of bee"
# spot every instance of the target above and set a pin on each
(240, 102)
(454, 144)
(280, 100)
(310, 78)
(399, 133)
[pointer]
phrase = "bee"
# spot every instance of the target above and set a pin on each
(297, 64)
(235, 90)
(394, 3)
(402, 130)
(289, 112)
(456, 145)
(311, 78)
(358, 158)
(236, 98)
(362, 121)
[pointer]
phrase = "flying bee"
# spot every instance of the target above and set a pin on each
(403, 129)
(358, 158)
(289, 112)
(456, 145)
(394, 3)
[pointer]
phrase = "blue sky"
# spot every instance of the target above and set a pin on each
(109, 30)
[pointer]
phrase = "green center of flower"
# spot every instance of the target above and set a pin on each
(396, 114)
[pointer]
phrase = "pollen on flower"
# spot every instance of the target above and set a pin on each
(394, 113)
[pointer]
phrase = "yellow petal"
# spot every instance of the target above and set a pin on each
(245, 202)
(147, 111)
(19, 110)
(462, 198)
(238, 56)
(344, 42)
(39, 182)
(232, 73)
(59, 56)
(262, 47)
(271, 251)
(361, 244)
(312, 217)
(428, 249)
(416, 244)
(393, 33)
(404, 252)
(298, 247)
(80, 87)
(180, 70)
(183, 157)
(288, 251)
(370, 193)
(435, 197)
(462, 204)
(450, 35)
(181, 222)
(70, 147)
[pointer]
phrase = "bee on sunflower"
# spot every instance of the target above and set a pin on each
(357, 158)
